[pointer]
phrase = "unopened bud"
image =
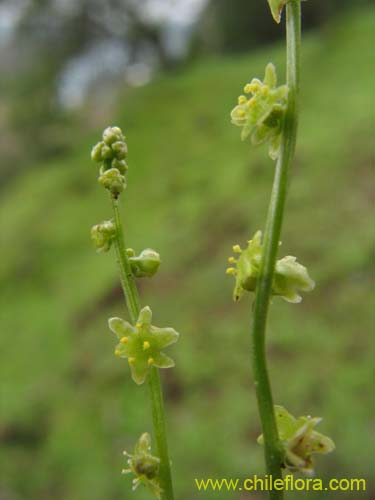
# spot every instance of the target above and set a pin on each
(112, 134)
(113, 180)
(107, 153)
(146, 264)
(121, 165)
(96, 152)
(120, 150)
(103, 235)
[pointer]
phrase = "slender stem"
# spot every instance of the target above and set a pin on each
(156, 394)
(273, 454)
(158, 416)
(126, 276)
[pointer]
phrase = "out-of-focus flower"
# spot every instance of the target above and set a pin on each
(261, 115)
(290, 277)
(144, 466)
(299, 440)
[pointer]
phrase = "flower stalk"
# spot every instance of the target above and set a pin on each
(140, 342)
(156, 394)
(272, 445)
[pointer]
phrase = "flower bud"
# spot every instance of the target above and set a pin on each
(146, 264)
(120, 150)
(103, 235)
(96, 152)
(121, 165)
(113, 181)
(107, 152)
(112, 134)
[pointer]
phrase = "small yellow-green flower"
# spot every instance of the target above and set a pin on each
(261, 115)
(142, 344)
(290, 277)
(144, 466)
(299, 440)
(103, 235)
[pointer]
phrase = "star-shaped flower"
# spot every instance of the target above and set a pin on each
(299, 440)
(290, 276)
(262, 114)
(142, 344)
(144, 466)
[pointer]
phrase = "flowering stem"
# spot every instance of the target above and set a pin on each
(156, 394)
(126, 276)
(273, 454)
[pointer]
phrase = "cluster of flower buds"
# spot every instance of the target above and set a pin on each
(261, 115)
(144, 466)
(103, 235)
(111, 153)
(144, 265)
(290, 277)
(299, 440)
(142, 344)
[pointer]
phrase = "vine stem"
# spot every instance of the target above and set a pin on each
(156, 394)
(272, 448)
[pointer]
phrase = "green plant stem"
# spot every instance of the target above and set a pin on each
(156, 394)
(126, 276)
(273, 453)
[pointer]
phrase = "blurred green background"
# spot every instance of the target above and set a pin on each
(67, 406)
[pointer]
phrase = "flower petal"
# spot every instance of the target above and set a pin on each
(161, 360)
(139, 371)
(145, 316)
(164, 337)
(120, 327)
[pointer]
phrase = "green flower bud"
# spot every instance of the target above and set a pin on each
(112, 134)
(142, 344)
(144, 466)
(262, 114)
(121, 165)
(96, 152)
(277, 7)
(113, 181)
(290, 277)
(103, 235)
(107, 152)
(120, 150)
(111, 154)
(146, 264)
(299, 440)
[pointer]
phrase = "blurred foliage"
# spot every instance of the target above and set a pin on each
(49, 35)
(243, 24)
(68, 406)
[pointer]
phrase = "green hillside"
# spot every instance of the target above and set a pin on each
(68, 406)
